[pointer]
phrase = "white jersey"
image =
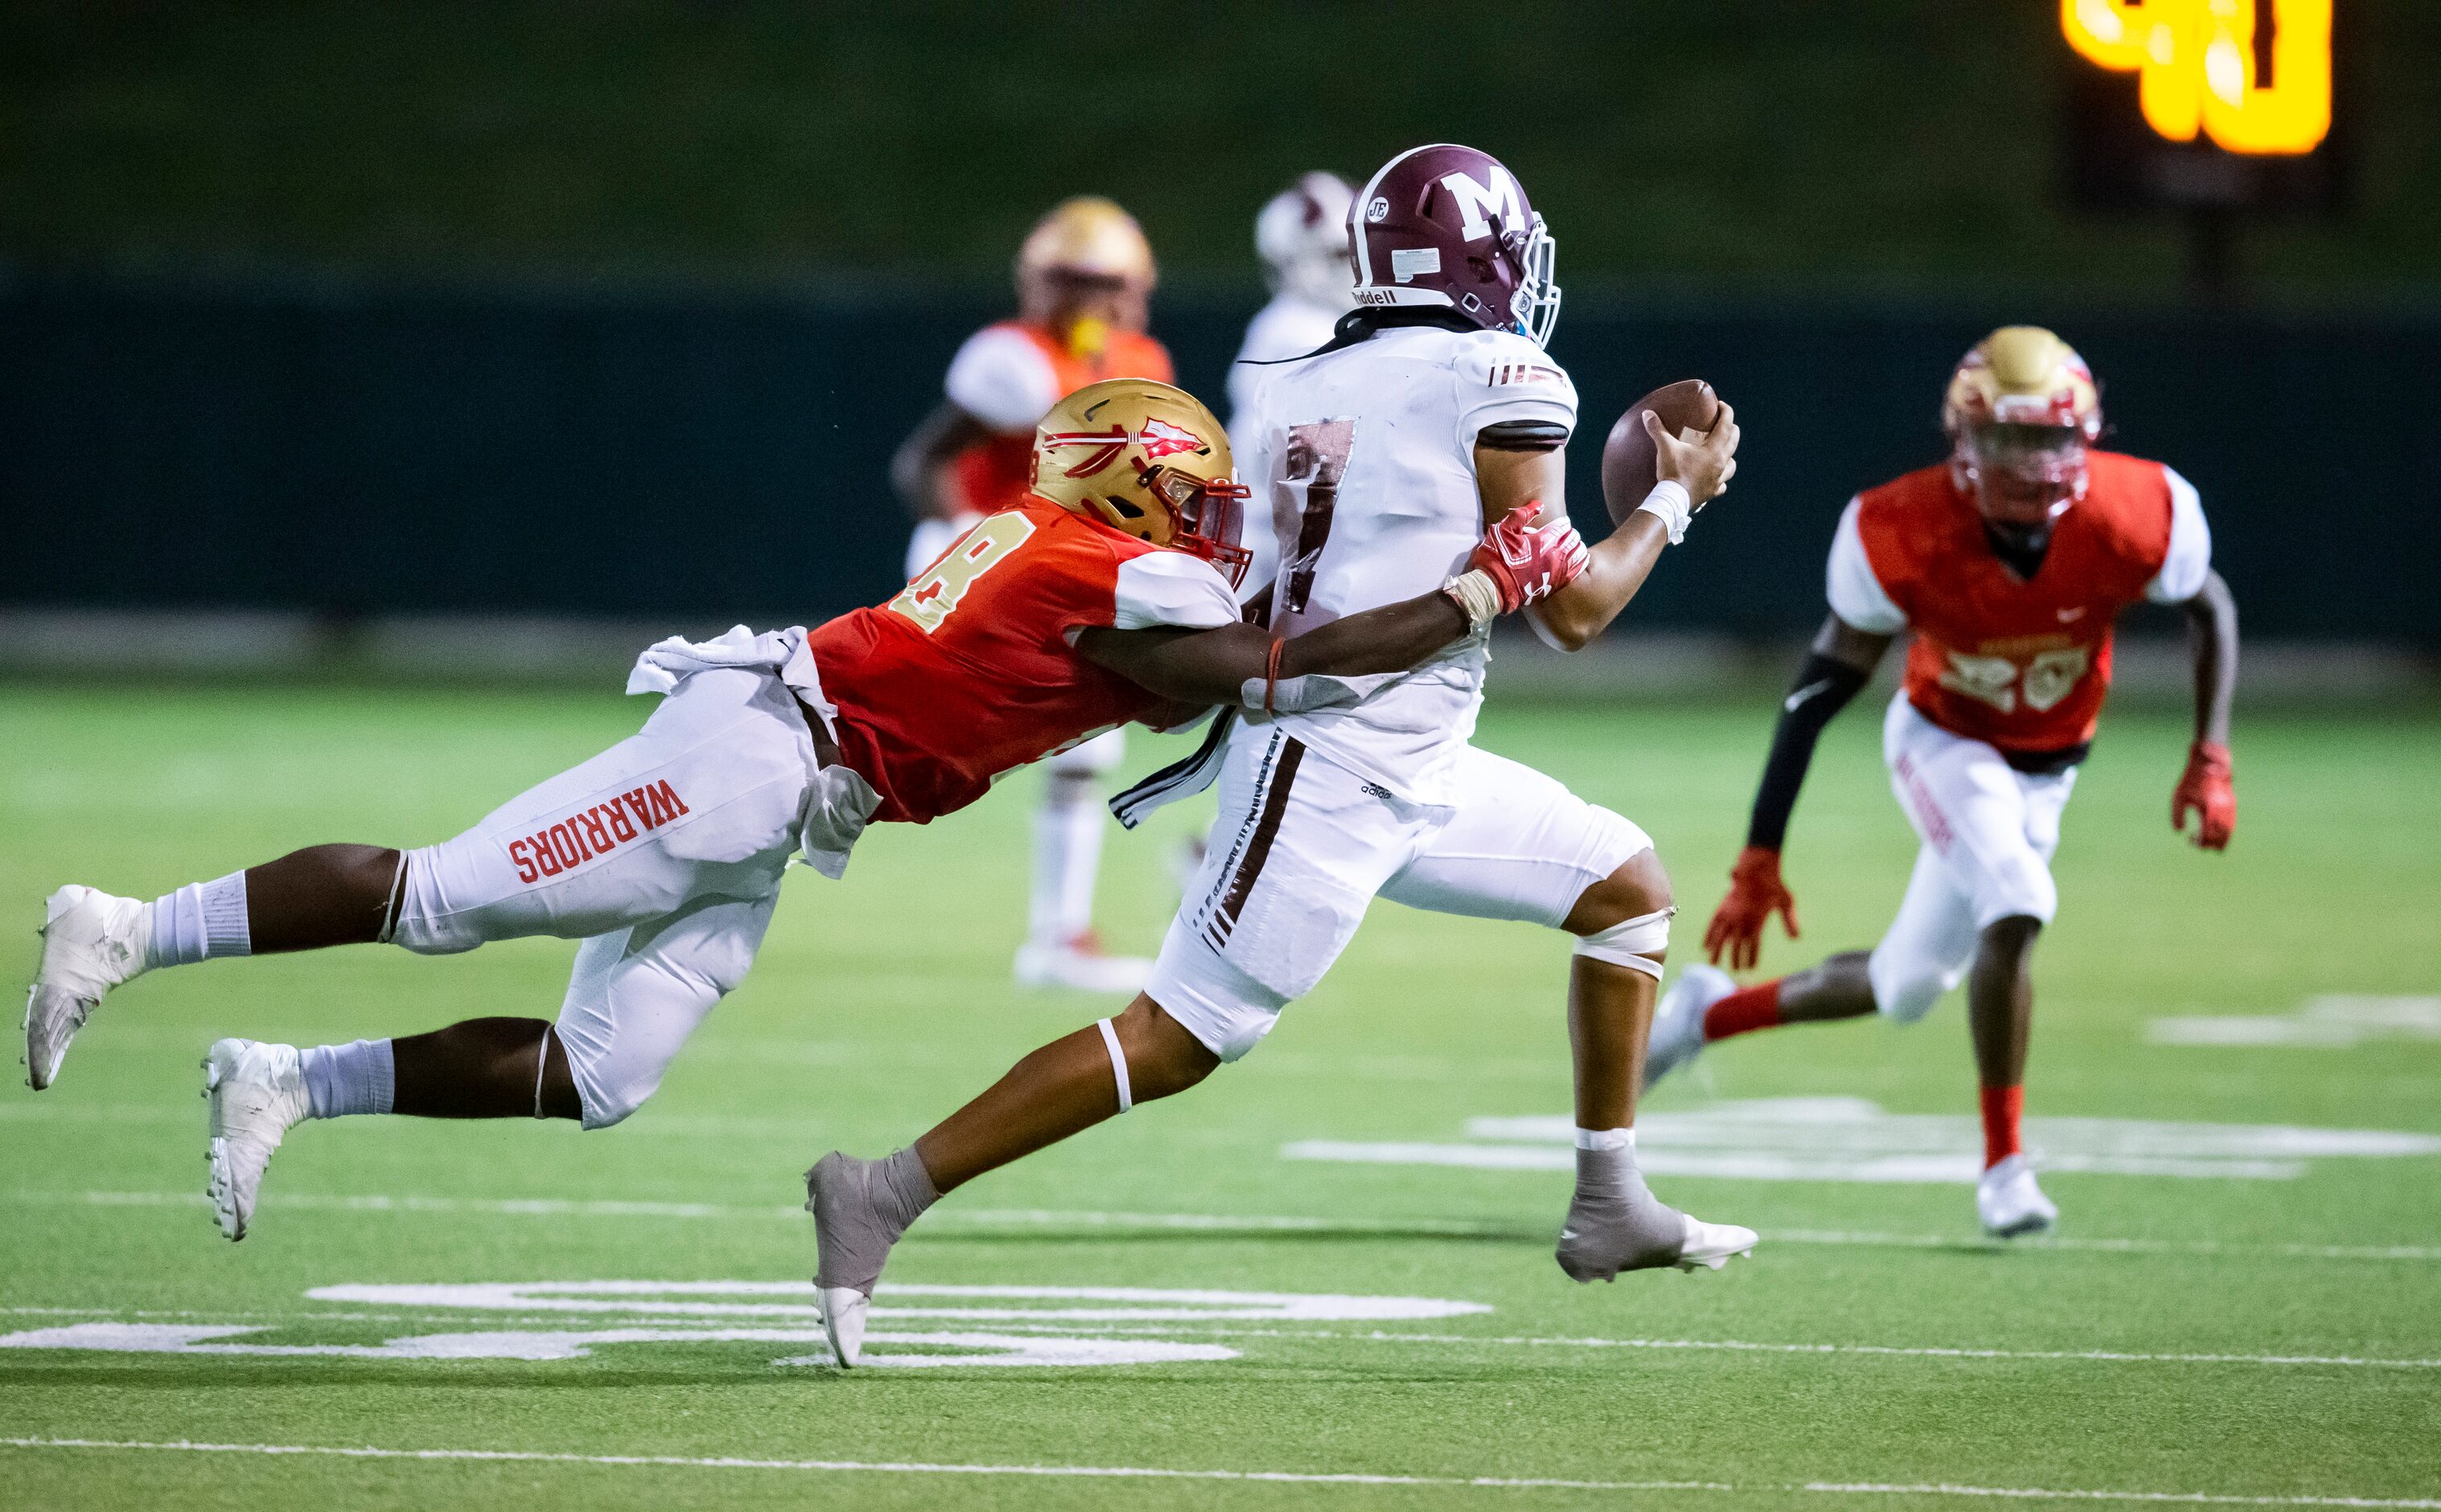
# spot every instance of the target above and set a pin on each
(1286, 327)
(1365, 458)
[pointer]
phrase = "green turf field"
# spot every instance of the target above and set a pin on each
(2231, 1314)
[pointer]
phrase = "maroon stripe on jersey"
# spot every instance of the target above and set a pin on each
(1258, 847)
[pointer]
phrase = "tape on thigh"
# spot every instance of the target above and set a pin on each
(1632, 942)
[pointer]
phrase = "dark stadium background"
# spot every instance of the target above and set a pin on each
(616, 312)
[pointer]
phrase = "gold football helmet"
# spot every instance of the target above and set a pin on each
(1149, 461)
(2022, 375)
(1088, 237)
(1085, 268)
(2020, 413)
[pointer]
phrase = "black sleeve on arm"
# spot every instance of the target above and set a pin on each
(1523, 436)
(1823, 689)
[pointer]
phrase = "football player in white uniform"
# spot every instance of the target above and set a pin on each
(1384, 458)
(1084, 276)
(1301, 235)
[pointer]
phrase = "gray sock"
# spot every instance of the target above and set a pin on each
(1614, 1223)
(860, 1208)
(353, 1078)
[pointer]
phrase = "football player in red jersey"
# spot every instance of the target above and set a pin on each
(2009, 562)
(1083, 280)
(1104, 595)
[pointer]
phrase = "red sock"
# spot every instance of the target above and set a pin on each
(2001, 1106)
(1748, 1008)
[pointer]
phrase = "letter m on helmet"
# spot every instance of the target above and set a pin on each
(1474, 198)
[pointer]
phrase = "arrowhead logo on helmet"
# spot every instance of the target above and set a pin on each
(1159, 439)
(1422, 241)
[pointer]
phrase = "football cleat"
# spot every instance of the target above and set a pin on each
(1596, 1246)
(258, 1094)
(852, 1242)
(1679, 1021)
(1615, 1223)
(2010, 1203)
(1711, 1245)
(92, 942)
(1080, 966)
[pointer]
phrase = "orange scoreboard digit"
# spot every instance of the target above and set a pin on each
(2250, 75)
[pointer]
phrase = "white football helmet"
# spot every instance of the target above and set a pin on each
(1302, 237)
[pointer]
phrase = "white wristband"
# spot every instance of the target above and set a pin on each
(1476, 594)
(1668, 502)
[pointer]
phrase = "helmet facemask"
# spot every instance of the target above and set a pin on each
(1205, 517)
(1081, 308)
(2022, 477)
(1536, 303)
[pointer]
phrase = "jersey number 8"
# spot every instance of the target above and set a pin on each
(937, 589)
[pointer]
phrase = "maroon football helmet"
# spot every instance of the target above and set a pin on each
(1448, 228)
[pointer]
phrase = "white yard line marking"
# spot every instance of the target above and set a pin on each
(2108, 1357)
(1155, 1473)
(1017, 1324)
(1202, 1222)
(2217, 1247)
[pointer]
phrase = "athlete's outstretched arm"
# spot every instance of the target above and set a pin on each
(1509, 479)
(1517, 561)
(1215, 666)
(916, 467)
(1839, 664)
(2205, 787)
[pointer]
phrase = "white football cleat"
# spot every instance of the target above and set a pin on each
(1711, 1245)
(844, 1314)
(1678, 1019)
(92, 942)
(257, 1095)
(1080, 966)
(2010, 1203)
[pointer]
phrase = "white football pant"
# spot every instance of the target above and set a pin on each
(1302, 846)
(1988, 833)
(663, 853)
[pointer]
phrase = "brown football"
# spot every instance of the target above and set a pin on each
(1627, 468)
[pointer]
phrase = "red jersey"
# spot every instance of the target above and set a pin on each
(970, 672)
(2021, 664)
(1009, 375)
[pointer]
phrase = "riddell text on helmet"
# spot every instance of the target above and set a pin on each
(594, 831)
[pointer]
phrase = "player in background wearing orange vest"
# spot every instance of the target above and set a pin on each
(2009, 562)
(1084, 277)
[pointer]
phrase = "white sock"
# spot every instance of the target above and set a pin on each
(1605, 1138)
(199, 922)
(1067, 854)
(358, 1077)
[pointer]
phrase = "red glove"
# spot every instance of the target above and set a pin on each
(1527, 560)
(1756, 893)
(2205, 789)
